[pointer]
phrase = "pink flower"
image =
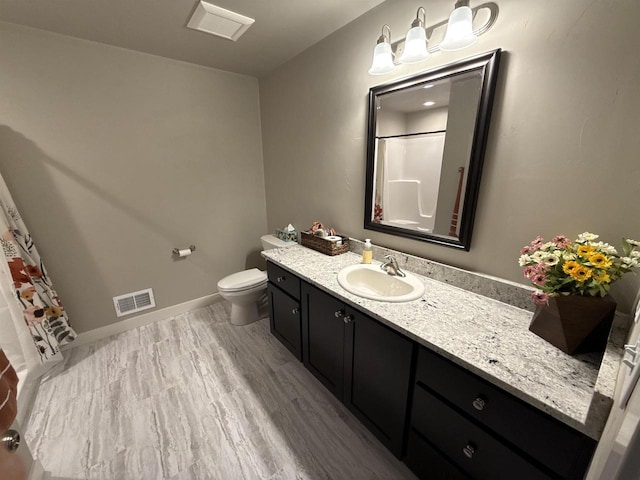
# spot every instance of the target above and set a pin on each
(539, 279)
(34, 315)
(526, 249)
(529, 271)
(561, 241)
(537, 243)
(540, 298)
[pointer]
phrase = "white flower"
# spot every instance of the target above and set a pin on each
(587, 237)
(605, 248)
(548, 246)
(551, 259)
(635, 243)
(631, 262)
(524, 260)
(635, 254)
(569, 256)
(538, 256)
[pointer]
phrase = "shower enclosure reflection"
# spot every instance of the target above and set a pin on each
(408, 168)
(426, 145)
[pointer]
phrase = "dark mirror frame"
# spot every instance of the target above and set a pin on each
(486, 63)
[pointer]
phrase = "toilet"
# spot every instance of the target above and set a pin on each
(247, 290)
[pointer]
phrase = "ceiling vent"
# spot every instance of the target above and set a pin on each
(218, 21)
(134, 302)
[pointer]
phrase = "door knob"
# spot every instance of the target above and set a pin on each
(280, 279)
(11, 440)
(295, 311)
(348, 319)
(339, 313)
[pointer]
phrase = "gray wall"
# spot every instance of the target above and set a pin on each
(115, 157)
(562, 154)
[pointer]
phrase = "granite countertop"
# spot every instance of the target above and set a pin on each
(487, 337)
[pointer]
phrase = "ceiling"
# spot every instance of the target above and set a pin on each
(282, 30)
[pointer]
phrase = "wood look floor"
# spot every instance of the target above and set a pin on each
(193, 397)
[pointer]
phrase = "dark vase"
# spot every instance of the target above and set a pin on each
(575, 324)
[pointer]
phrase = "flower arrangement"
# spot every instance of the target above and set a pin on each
(582, 267)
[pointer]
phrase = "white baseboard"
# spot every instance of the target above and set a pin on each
(140, 320)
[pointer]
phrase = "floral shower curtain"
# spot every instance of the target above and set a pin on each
(29, 286)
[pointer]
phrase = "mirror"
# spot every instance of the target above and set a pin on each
(426, 143)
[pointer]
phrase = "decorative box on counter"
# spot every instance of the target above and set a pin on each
(287, 235)
(334, 245)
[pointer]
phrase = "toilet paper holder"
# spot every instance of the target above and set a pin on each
(176, 251)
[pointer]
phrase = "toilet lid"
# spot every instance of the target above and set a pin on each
(242, 280)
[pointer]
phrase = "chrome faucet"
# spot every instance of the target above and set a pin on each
(391, 266)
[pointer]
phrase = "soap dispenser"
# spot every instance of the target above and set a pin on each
(367, 253)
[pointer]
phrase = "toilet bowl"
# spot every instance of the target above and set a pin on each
(247, 290)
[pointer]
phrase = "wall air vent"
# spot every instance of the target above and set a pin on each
(134, 302)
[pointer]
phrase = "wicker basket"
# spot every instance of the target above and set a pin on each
(323, 245)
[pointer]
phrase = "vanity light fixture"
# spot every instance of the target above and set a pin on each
(428, 104)
(415, 48)
(382, 55)
(459, 33)
(415, 43)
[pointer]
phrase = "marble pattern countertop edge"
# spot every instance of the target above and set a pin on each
(576, 390)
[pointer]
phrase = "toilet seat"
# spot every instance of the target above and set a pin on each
(241, 281)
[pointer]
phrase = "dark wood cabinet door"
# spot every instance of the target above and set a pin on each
(323, 334)
(285, 320)
(377, 377)
(428, 463)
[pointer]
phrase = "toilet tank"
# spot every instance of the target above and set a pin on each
(271, 241)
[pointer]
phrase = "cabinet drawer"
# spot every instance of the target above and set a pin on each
(471, 448)
(562, 449)
(427, 463)
(284, 279)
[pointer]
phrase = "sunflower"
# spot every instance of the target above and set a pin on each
(601, 277)
(581, 273)
(600, 260)
(585, 250)
(570, 266)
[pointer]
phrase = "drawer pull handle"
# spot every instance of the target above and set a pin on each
(280, 279)
(469, 450)
(348, 319)
(295, 311)
(479, 403)
(339, 313)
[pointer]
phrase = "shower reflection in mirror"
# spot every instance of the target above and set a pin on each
(409, 166)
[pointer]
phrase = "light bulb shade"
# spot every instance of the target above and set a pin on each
(415, 46)
(382, 60)
(459, 33)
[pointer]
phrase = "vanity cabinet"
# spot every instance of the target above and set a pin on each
(283, 290)
(442, 420)
(477, 430)
(361, 361)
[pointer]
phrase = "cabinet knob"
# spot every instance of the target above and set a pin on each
(479, 403)
(469, 450)
(348, 319)
(280, 279)
(295, 311)
(339, 313)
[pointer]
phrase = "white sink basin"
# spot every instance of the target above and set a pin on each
(369, 281)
